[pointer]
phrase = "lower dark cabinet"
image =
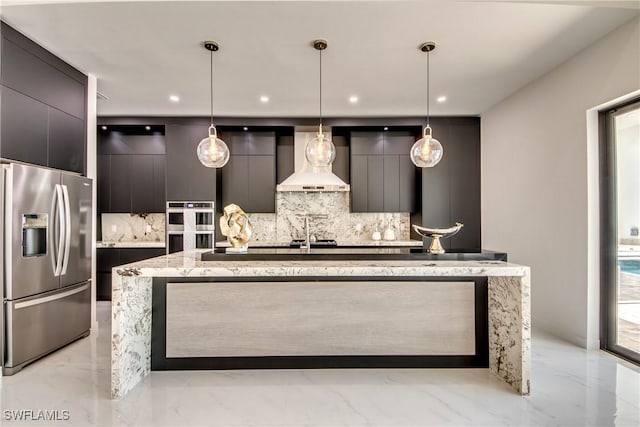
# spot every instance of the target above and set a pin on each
(107, 258)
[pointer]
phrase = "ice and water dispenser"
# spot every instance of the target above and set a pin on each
(34, 234)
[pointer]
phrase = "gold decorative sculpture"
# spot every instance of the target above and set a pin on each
(235, 224)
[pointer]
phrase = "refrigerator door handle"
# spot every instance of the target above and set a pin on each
(50, 233)
(62, 227)
(67, 228)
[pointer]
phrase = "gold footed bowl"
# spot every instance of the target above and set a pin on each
(436, 234)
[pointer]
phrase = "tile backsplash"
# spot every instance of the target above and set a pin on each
(124, 227)
(330, 219)
(329, 212)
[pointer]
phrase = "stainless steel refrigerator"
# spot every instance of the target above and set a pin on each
(46, 261)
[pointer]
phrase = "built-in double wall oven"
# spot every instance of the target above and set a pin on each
(190, 225)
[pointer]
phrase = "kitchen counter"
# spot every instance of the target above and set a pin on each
(130, 244)
(135, 287)
(348, 243)
(362, 253)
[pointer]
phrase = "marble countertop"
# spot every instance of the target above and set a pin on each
(190, 264)
(135, 244)
(374, 243)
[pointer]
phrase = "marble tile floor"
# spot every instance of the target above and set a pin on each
(570, 387)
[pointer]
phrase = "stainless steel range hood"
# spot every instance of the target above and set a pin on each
(307, 178)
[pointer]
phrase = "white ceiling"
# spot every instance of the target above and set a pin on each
(143, 51)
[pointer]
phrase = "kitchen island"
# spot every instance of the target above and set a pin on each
(180, 312)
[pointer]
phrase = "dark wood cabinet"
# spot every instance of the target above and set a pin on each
(142, 183)
(187, 178)
(284, 157)
(103, 183)
(249, 179)
(383, 179)
(34, 73)
(131, 173)
(24, 128)
(234, 186)
(159, 183)
(107, 258)
(262, 183)
(375, 182)
(66, 141)
(121, 184)
(451, 189)
(43, 103)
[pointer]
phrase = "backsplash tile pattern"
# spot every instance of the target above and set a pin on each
(333, 221)
(124, 227)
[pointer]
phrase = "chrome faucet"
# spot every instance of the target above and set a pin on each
(309, 237)
(307, 242)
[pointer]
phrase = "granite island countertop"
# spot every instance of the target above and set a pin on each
(190, 264)
(508, 302)
(352, 243)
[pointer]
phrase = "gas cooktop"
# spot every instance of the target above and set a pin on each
(320, 243)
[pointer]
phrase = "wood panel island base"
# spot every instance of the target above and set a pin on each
(179, 312)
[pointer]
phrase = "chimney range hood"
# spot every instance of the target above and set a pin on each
(307, 178)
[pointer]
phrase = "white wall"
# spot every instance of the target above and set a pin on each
(535, 186)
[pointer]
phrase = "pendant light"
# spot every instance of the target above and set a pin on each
(212, 151)
(427, 151)
(320, 151)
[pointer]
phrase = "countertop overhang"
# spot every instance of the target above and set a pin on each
(190, 264)
(340, 243)
(349, 254)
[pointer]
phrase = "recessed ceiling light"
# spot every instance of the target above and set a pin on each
(245, 128)
(386, 128)
(264, 99)
(353, 99)
(104, 128)
(174, 98)
(147, 127)
(441, 98)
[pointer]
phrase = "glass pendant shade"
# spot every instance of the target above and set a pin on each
(427, 151)
(212, 151)
(320, 151)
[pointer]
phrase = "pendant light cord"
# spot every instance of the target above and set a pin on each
(211, 82)
(320, 97)
(428, 88)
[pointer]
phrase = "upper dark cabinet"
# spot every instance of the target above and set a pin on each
(249, 179)
(131, 172)
(188, 179)
(66, 141)
(367, 143)
(44, 106)
(24, 128)
(383, 179)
